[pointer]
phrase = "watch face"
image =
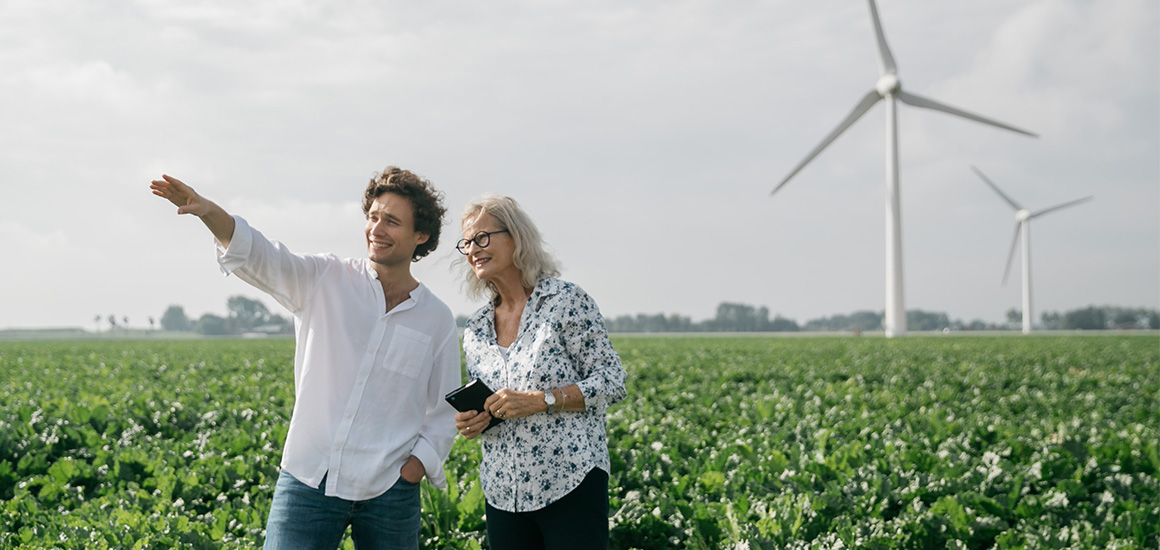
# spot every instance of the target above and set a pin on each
(549, 398)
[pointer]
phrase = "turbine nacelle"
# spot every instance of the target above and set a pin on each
(1022, 215)
(888, 84)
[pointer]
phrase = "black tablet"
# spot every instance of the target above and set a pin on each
(470, 397)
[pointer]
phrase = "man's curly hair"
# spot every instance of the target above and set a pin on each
(426, 201)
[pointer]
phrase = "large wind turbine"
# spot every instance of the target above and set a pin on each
(889, 87)
(1023, 219)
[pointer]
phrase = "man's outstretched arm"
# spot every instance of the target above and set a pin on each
(219, 222)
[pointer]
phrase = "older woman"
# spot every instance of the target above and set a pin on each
(540, 343)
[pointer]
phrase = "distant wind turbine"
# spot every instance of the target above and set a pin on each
(1023, 219)
(889, 87)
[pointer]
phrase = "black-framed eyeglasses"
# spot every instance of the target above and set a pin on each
(481, 239)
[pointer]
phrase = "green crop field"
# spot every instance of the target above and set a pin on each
(746, 442)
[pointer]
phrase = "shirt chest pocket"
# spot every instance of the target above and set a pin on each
(408, 352)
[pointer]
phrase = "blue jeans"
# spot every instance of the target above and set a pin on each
(305, 518)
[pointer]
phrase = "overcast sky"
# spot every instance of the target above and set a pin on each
(643, 137)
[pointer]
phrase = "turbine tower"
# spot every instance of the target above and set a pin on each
(889, 87)
(1023, 219)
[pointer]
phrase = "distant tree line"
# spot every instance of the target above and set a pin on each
(246, 316)
(1099, 318)
(734, 317)
(251, 316)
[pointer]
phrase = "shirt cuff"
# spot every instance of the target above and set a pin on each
(593, 393)
(431, 464)
(230, 259)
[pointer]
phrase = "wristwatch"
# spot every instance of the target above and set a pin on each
(550, 399)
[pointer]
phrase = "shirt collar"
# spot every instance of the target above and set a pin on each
(416, 295)
(545, 287)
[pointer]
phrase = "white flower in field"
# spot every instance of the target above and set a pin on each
(1092, 465)
(1107, 497)
(179, 503)
(990, 459)
(992, 465)
(1037, 470)
(657, 446)
(1056, 499)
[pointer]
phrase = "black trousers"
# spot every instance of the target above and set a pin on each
(578, 521)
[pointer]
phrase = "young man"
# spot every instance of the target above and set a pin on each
(375, 353)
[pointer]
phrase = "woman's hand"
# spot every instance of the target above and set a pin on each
(471, 423)
(505, 404)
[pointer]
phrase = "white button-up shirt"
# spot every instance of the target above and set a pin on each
(531, 462)
(368, 384)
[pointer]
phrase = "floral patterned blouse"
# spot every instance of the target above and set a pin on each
(531, 462)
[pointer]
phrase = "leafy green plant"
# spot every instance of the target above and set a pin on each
(745, 442)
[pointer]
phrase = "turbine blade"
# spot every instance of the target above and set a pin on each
(885, 60)
(1011, 255)
(867, 102)
(1009, 200)
(919, 101)
(1060, 206)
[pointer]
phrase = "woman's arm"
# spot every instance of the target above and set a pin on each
(506, 403)
(587, 343)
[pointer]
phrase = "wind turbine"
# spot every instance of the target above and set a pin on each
(889, 87)
(1023, 219)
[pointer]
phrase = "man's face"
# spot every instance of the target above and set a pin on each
(390, 231)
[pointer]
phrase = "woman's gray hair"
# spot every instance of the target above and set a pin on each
(531, 256)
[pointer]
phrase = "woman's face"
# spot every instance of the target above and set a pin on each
(495, 261)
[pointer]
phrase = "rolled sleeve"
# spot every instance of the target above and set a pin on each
(432, 463)
(599, 364)
(238, 253)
